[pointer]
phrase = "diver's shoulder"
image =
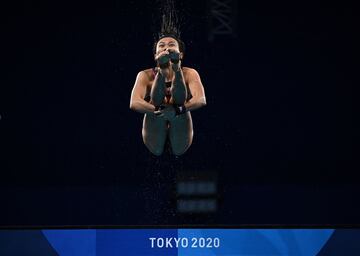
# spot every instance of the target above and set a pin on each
(187, 68)
(189, 71)
(148, 70)
(147, 73)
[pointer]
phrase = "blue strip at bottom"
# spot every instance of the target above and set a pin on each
(189, 242)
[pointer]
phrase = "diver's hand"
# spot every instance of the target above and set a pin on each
(163, 59)
(167, 112)
(175, 59)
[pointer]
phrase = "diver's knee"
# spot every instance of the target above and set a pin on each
(157, 151)
(178, 151)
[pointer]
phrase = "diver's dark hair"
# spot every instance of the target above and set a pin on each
(169, 25)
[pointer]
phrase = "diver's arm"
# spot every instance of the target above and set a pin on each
(137, 102)
(198, 99)
(157, 93)
(178, 89)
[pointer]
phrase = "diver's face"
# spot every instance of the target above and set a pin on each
(167, 43)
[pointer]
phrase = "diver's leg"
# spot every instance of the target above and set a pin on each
(157, 93)
(181, 133)
(178, 89)
(154, 133)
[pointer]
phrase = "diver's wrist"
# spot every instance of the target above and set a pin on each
(179, 109)
(176, 68)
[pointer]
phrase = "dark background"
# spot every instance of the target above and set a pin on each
(278, 129)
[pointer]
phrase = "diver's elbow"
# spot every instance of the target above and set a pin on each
(132, 105)
(203, 102)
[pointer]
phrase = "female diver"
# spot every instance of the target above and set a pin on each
(166, 94)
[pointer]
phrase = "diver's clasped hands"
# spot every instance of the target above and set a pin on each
(169, 57)
(166, 111)
(175, 59)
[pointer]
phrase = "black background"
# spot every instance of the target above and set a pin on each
(279, 126)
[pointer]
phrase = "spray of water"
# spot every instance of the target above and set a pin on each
(170, 21)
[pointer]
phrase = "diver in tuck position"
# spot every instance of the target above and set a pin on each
(166, 94)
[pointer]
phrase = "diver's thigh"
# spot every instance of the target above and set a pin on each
(181, 133)
(154, 133)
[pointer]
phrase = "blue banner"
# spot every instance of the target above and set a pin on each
(189, 242)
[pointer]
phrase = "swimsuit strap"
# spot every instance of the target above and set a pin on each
(155, 71)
